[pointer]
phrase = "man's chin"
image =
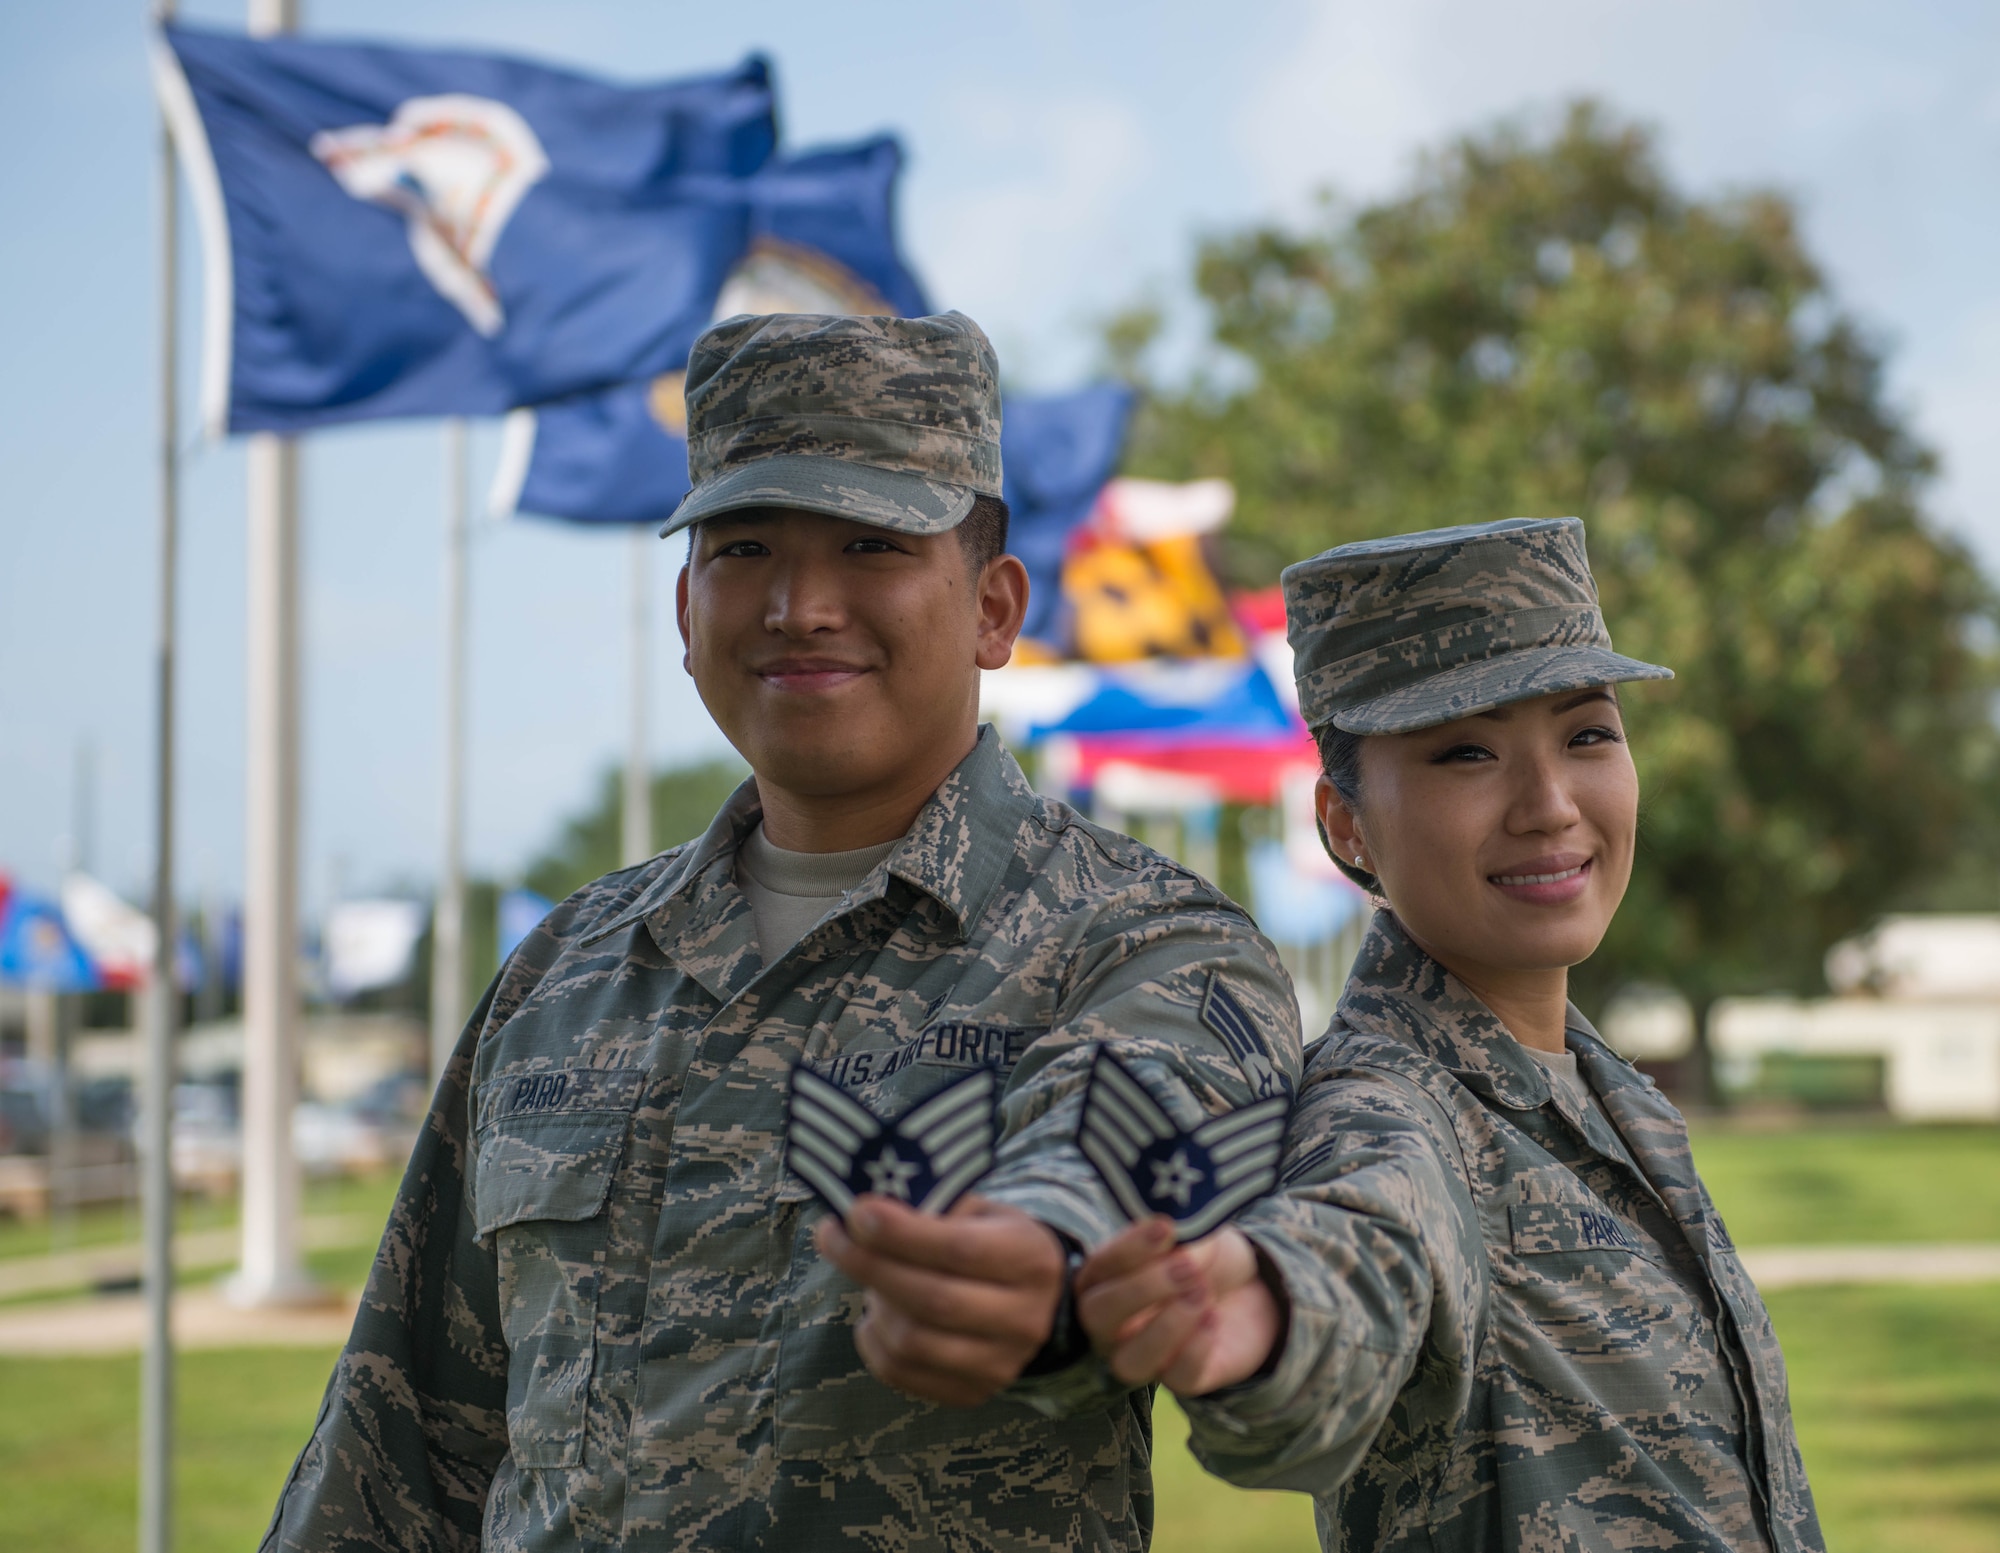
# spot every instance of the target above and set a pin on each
(809, 770)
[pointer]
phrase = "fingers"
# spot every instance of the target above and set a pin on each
(948, 1367)
(1126, 1252)
(1113, 1310)
(977, 1239)
(1226, 1258)
(1240, 1332)
(1160, 1339)
(953, 1304)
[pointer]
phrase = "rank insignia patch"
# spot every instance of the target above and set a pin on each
(1197, 1179)
(929, 1157)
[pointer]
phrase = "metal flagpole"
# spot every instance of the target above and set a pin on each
(636, 832)
(448, 919)
(156, 1369)
(272, 1271)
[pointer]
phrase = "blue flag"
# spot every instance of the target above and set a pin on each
(821, 239)
(521, 912)
(1056, 453)
(400, 231)
(38, 951)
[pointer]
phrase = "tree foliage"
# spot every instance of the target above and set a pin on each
(684, 801)
(1543, 325)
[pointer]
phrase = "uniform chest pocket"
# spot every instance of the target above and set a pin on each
(549, 1144)
(1547, 1228)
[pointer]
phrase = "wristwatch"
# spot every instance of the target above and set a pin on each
(1068, 1342)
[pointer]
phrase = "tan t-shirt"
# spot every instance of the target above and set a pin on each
(790, 891)
(1564, 1074)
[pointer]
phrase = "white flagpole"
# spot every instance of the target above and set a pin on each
(156, 1187)
(448, 917)
(636, 831)
(272, 1270)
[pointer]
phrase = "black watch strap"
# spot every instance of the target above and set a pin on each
(1068, 1342)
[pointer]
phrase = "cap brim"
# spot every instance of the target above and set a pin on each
(1473, 688)
(840, 488)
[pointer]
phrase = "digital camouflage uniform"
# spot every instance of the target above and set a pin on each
(1512, 1326)
(598, 1319)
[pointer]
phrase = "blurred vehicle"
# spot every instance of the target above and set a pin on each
(24, 1122)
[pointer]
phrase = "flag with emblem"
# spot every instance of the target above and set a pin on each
(929, 1157)
(394, 231)
(821, 238)
(1151, 1167)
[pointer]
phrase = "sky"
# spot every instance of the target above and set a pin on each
(1064, 160)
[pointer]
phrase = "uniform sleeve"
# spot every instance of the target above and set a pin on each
(413, 1424)
(1374, 1239)
(1194, 1000)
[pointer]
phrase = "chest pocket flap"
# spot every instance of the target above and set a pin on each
(549, 1143)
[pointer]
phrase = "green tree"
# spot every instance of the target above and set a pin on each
(684, 801)
(1543, 325)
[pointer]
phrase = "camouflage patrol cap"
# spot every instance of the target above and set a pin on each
(1393, 635)
(889, 421)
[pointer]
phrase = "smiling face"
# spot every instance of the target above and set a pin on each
(1503, 841)
(842, 661)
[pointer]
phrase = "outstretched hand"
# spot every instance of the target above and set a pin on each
(1195, 1318)
(956, 1305)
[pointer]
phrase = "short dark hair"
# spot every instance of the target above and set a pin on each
(983, 532)
(1340, 759)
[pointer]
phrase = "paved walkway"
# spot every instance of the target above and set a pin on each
(192, 1252)
(116, 1323)
(1792, 1267)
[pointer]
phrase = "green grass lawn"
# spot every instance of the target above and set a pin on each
(1828, 1184)
(1897, 1390)
(110, 1223)
(1897, 1394)
(365, 1199)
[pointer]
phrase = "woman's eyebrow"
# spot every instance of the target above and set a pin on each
(1595, 693)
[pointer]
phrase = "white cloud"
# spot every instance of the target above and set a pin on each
(1033, 251)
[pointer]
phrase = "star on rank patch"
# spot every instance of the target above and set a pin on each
(929, 1157)
(1197, 1179)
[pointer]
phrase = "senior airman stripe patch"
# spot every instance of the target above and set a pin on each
(1232, 1024)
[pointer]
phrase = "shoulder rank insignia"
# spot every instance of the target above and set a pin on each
(929, 1157)
(1150, 1166)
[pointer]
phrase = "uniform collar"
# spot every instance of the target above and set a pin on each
(956, 852)
(966, 836)
(1398, 991)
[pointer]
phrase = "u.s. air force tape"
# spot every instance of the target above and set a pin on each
(929, 1157)
(1197, 1179)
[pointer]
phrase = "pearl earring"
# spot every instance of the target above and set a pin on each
(1357, 860)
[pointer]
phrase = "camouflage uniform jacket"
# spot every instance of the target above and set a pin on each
(597, 1318)
(1512, 1326)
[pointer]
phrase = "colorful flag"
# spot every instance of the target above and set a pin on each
(1139, 579)
(821, 238)
(117, 936)
(1057, 452)
(395, 231)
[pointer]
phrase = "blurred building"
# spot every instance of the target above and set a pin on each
(1914, 1025)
